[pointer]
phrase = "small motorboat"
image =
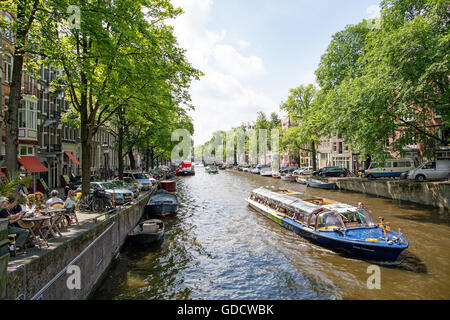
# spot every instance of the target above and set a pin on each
(162, 204)
(301, 180)
(212, 170)
(288, 177)
(276, 175)
(313, 183)
(146, 233)
(337, 226)
(170, 186)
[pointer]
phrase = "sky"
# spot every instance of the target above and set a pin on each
(253, 51)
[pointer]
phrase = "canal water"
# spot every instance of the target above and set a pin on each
(218, 248)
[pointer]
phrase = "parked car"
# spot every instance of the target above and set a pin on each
(432, 170)
(391, 169)
(145, 183)
(129, 186)
(303, 171)
(122, 195)
(334, 172)
(317, 173)
(288, 170)
(256, 169)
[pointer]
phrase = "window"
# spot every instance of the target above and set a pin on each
(430, 165)
(9, 34)
(27, 114)
(8, 67)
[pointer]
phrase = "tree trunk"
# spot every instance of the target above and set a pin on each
(11, 118)
(132, 160)
(367, 162)
(313, 155)
(147, 160)
(152, 158)
(120, 146)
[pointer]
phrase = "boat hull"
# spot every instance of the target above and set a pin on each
(161, 210)
(326, 186)
(331, 240)
(170, 186)
(146, 233)
(161, 204)
(145, 239)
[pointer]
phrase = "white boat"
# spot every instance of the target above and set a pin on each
(288, 177)
(301, 180)
(266, 172)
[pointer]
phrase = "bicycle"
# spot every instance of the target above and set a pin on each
(98, 202)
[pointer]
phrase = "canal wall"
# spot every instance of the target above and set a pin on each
(72, 269)
(435, 194)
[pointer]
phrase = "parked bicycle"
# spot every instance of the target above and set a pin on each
(97, 202)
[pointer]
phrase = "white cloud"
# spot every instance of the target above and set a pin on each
(222, 101)
(373, 11)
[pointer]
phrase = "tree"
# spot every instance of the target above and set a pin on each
(301, 105)
(117, 42)
(383, 86)
(22, 29)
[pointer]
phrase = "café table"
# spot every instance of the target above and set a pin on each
(37, 226)
(58, 216)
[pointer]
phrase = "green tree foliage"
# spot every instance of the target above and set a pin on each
(381, 86)
(302, 106)
(123, 59)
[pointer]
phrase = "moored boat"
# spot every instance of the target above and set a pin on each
(146, 233)
(288, 177)
(337, 226)
(313, 183)
(301, 180)
(162, 204)
(170, 186)
(212, 170)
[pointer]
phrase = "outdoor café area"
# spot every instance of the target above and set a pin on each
(37, 225)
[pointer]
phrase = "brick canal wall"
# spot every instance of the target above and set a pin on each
(435, 194)
(91, 250)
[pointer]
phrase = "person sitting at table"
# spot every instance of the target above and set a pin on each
(54, 198)
(69, 205)
(5, 213)
(20, 204)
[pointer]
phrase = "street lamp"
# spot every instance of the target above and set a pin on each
(105, 148)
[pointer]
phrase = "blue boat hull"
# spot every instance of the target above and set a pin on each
(163, 209)
(356, 249)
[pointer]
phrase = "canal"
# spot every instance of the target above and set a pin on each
(218, 248)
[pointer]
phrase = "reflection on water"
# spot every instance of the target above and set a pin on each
(217, 248)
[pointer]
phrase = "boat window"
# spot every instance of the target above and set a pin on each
(329, 220)
(360, 219)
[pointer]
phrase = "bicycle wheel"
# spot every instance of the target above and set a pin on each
(97, 205)
(83, 204)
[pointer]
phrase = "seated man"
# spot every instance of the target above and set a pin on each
(22, 234)
(54, 198)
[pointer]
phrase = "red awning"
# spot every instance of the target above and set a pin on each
(72, 157)
(32, 164)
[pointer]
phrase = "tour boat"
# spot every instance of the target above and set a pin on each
(146, 233)
(337, 226)
(162, 203)
(313, 183)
